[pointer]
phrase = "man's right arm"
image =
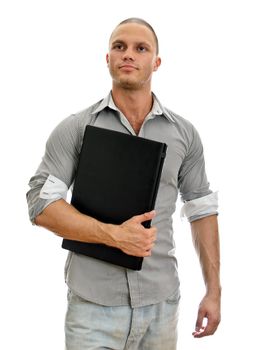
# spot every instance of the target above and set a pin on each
(131, 237)
(48, 208)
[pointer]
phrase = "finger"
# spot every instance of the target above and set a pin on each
(149, 250)
(209, 329)
(147, 253)
(140, 253)
(149, 247)
(144, 217)
(198, 332)
(199, 321)
(151, 233)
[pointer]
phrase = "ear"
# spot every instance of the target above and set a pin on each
(157, 63)
(107, 59)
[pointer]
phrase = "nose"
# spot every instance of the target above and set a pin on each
(128, 55)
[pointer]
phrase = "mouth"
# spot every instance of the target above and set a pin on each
(128, 67)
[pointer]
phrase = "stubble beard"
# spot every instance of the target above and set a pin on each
(128, 84)
(122, 82)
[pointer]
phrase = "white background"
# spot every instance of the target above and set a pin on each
(52, 65)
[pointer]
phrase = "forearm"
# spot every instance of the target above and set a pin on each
(130, 236)
(66, 221)
(206, 241)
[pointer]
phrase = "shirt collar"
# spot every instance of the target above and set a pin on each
(157, 108)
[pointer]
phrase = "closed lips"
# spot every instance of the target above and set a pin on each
(128, 66)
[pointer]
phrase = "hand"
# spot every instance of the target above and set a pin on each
(133, 238)
(209, 309)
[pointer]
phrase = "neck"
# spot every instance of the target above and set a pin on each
(135, 105)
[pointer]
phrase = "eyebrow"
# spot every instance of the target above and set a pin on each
(119, 41)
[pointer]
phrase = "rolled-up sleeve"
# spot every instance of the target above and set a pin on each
(199, 200)
(56, 171)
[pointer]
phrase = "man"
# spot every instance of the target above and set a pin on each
(108, 306)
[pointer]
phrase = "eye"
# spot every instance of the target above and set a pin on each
(142, 49)
(118, 46)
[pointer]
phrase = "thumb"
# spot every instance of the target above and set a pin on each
(144, 217)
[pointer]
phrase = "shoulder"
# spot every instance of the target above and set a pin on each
(71, 129)
(184, 127)
(86, 115)
(80, 119)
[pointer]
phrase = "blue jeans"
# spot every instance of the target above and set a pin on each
(95, 327)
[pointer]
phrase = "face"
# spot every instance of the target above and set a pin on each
(132, 57)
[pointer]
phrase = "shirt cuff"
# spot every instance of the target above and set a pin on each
(53, 189)
(200, 207)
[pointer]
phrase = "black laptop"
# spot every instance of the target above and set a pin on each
(117, 177)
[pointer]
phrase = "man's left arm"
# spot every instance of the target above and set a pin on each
(201, 209)
(206, 241)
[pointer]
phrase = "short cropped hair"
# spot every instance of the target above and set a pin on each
(144, 23)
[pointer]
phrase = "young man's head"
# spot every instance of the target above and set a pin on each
(133, 54)
(144, 23)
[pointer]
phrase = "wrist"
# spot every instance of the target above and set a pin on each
(108, 234)
(213, 291)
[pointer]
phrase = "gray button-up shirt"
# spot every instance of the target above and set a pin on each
(183, 171)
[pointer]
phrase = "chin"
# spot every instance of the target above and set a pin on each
(129, 84)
